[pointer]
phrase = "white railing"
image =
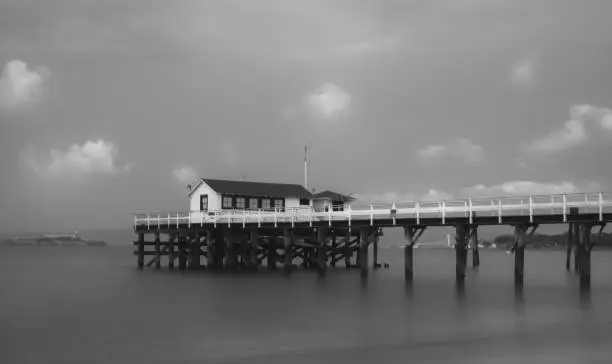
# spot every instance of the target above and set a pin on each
(598, 203)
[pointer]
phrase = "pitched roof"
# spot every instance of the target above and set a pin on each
(250, 188)
(334, 196)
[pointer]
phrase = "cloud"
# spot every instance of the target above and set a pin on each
(185, 174)
(461, 148)
(94, 157)
(20, 86)
(575, 131)
(521, 188)
(328, 102)
(523, 72)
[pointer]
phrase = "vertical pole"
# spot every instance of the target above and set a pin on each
(219, 248)
(210, 252)
(576, 240)
(519, 255)
(288, 244)
(322, 233)
(363, 261)
(194, 263)
(254, 249)
(140, 250)
(409, 253)
(460, 252)
(171, 238)
(157, 251)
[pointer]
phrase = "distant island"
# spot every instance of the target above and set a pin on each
(542, 241)
(52, 240)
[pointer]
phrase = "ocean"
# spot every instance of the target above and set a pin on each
(92, 305)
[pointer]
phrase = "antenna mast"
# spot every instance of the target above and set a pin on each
(305, 167)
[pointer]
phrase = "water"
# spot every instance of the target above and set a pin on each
(91, 305)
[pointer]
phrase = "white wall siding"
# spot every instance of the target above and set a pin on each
(214, 200)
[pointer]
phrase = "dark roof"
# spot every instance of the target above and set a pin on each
(250, 188)
(334, 196)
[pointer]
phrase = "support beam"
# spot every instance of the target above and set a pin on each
(461, 236)
(141, 250)
(254, 249)
(519, 254)
(288, 244)
(322, 233)
(157, 250)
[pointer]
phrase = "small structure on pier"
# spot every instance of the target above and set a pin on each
(218, 195)
(323, 201)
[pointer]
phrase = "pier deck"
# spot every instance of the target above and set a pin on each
(245, 239)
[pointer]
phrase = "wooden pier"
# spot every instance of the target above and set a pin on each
(249, 240)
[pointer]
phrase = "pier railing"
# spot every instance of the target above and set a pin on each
(599, 203)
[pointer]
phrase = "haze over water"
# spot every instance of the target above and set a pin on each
(92, 305)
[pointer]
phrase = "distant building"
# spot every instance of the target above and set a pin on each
(215, 195)
(325, 200)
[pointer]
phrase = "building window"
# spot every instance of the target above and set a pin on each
(304, 202)
(265, 204)
(203, 202)
(279, 203)
(227, 202)
(253, 204)
(240, 203)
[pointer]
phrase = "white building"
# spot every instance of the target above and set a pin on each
(325, 200)
(216, 195)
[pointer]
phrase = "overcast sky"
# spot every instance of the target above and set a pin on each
(111, 107)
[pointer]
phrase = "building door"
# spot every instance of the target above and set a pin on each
(203, 202)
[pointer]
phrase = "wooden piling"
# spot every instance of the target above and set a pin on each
(288, 245)
(348, 252)
(141, 250)
(363, 249)
(461, 232)
(171, 251)
(157, 250)
(322, 233)
(182, 241)
(572, 241)
(585, 246)
(334, 247)
(194, 250)
(519, 255)
(230, 252)
(210, 249)
(272, 254)
(219, 248)
(409, 253)
(254, 251)
(375, 264)
(475, 252)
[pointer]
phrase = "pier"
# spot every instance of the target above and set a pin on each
(291, 238)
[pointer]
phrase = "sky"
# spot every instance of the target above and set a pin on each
(109, 108)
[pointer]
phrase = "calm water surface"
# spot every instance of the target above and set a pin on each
(91, 305)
